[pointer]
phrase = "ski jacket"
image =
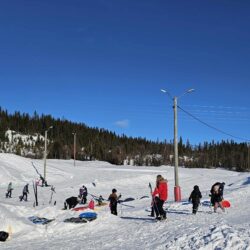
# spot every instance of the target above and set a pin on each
(72, 201)
(10, 187)
(113, 198)
(217, 189)
(195, 196)
(83, 192)
(26, 189)
(161, 190)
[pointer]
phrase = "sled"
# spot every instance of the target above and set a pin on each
(78, 220)
(102, 204)
(226, 204)
(39, 220)
(91, 205)
(88, 215)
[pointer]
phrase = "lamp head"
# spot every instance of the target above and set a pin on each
(190, 90)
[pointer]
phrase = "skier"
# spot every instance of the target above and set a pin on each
(217, 195)
(160, 195)
(71, 202)
(195, 197)
(113, 199)
(83, 193)
(25, 193)
(9, 190)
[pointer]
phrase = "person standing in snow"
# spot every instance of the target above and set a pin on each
(217, 195)
(83, 193)
(160, 195)
(113, 199)
(195, 197)
(25, 193)
(9, 190)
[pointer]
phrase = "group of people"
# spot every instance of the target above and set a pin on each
(72, 201)
(24, 195)
(159, 196)
(216, 194)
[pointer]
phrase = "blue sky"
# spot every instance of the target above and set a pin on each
(103, 62)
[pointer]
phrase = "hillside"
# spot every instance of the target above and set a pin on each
(182, 230)
(23, 135)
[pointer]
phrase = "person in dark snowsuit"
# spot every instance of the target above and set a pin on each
(71, 202)
(160, 195)
(9, 190)
(217, 195)
(25, 193)
(195, 197)
(83, 193)
(113, 199)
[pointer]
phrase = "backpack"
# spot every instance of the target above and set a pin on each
(3, 236)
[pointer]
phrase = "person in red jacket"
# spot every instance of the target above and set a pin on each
(160, 195)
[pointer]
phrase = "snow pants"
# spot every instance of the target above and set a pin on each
(195, 207)
(113, 209)
(158, 207)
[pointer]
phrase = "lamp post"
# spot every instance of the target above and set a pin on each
(74, 148)
(45, 151)
(177, 188)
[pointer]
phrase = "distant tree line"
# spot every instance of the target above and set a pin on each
(101, 144)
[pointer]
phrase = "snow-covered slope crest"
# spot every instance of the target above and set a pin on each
(132, 228)
(23, 144)
(30, 140)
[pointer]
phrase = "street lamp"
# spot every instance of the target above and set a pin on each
(177, 188)
(45, 150)
(74, 148)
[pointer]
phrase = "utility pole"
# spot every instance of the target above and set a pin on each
(177, 188)
(74, 148)
(248, 157)
(176, 161)
(45, 151)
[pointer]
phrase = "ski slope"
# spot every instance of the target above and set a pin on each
(132, 228)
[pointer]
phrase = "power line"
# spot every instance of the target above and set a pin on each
(212, 127)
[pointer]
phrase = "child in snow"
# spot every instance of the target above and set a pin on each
(83, 193)
(160, 195)
(113, 199)
(217, 195)
(25, 193)
(9, 190)
(195, 197)
(100, 200)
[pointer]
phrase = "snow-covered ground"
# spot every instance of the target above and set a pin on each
(182, 230)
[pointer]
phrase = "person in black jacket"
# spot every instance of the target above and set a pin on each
(195, 197)
(217, 195)
(25, 193)
(71, 202)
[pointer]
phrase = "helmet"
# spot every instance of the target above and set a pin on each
(114, 190)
